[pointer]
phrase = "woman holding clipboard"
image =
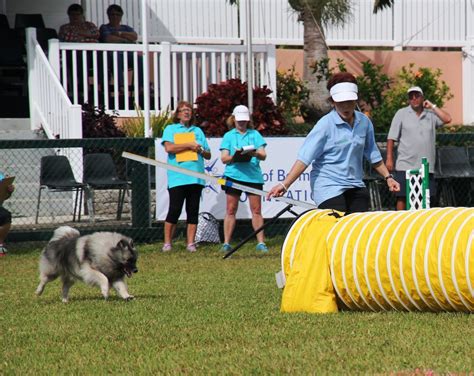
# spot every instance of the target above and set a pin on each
(187, 147)
(242, 149)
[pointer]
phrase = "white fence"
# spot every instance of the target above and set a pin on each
(432, 23)
(111, 74)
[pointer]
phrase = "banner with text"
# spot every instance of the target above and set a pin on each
(281, 154)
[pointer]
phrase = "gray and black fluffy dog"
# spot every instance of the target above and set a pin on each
(102, 259)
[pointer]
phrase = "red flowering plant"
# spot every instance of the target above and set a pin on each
(215, 106)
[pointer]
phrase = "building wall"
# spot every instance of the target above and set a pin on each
(54, 11)
(450, 64)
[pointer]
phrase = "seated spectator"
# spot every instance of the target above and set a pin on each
(116, 32)
(78, 29)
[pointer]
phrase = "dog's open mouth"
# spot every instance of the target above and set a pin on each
(129, 270)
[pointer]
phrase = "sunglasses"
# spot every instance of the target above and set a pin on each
(414, 95)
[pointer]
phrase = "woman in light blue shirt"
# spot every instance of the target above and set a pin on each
(335, 148)
(244, 169)
(182, 187)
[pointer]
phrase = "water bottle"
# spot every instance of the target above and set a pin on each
(2, 176)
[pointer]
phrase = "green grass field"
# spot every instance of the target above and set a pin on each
(199, 314)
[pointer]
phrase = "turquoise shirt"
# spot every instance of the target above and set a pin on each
(336, 151)
(175, 178)
(244, 171)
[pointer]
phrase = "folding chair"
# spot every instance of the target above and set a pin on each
(56, 176)
(24, 20)
(100, 173)
(453, 162)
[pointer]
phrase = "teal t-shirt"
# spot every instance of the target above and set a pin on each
(244, 171)
(176, 179)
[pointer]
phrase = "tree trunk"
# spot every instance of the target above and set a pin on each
(315, 49)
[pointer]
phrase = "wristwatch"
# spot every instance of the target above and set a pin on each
(388, 177)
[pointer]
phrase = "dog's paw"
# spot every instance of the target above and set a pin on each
(64, 300)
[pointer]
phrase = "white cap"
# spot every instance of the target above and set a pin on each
(241, 113)
(344, 91)
(415, 88)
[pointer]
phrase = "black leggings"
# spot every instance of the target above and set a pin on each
(192, 194)
(351, 201)
(5, 216)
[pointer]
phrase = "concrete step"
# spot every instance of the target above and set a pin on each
(14, 124)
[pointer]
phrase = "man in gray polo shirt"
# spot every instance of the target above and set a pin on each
(414, 128)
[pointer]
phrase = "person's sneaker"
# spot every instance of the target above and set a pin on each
(191, 247)
(226, 247)
(3, 251)
(166, 247)
(262, 247)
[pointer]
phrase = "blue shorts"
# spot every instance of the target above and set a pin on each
(238, 192)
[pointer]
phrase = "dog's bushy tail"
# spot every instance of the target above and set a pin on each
(64, 232)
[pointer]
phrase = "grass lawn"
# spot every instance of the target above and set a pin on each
(199, 314)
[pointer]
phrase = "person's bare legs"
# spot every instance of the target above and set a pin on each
(257, 219)
(169, 232)
(191, 233)
(232, 204)
(401, 204)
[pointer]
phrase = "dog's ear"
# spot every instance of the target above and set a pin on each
(122, 244)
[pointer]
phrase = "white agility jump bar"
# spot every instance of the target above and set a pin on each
(213, 179)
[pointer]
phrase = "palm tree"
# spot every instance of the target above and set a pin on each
(315, 14)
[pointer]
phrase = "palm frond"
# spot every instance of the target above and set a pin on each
(381, 4)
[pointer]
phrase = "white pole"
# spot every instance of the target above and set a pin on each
(146, 71)
(249, 58)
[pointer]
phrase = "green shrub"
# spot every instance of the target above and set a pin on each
(299, 129)
(96, 123)
(291, 92)
(395, 96)
(135, 127)
(322, 70)
(380, 96)
(372, 85)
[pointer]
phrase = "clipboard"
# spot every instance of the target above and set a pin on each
(188, 155)
(242, 154)
(4, 184)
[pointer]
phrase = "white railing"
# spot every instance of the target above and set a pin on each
(425, 23)
(50, 107)
(468, 82)
(177, 72)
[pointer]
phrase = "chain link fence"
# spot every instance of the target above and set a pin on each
(122, 197)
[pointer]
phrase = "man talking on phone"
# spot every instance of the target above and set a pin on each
(414, 128)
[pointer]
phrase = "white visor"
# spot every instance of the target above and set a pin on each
(345, 91)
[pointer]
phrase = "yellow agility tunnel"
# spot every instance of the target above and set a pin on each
(419, 260)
